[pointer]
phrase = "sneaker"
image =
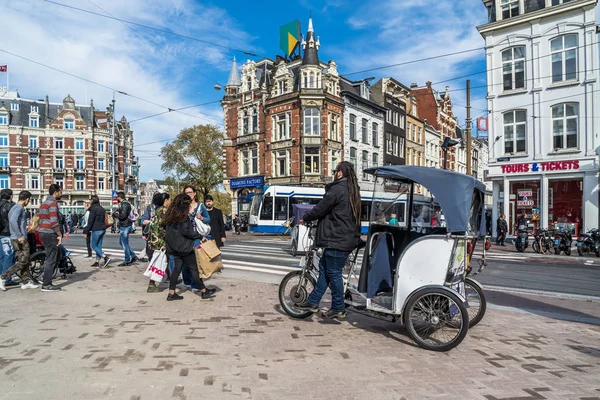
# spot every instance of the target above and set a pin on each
(2, 285)
(206, 295)
(174, 296)
(134, 260)
(29, 285)
(306, 306)
(106, 261)
(124, 264)
(211, 290)
(96, 265)
(334, 314)
(10, 282)
(50, 288)
(152, 289)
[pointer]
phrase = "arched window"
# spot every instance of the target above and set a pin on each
(515, 131)
(254, 119)
(564, 58)
(564, 126)
(513, 68)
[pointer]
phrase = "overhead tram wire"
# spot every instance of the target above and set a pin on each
(179, 109)
(159, 46)
(103, 85)
(249, 53)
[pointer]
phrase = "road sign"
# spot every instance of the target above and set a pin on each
(115, 201)
(114, 195)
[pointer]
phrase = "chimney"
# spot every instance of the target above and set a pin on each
(414, 86)
(428, 84)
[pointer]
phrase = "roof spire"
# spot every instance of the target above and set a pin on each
(311, 46)
(310, 25)
(234, 76)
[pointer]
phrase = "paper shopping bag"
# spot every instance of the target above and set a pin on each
(157, 266)
(207, 265)
(211, 249)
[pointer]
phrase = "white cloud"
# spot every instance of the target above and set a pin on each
(108, 52)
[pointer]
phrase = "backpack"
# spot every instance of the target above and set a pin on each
(133, 215)
(4, 213)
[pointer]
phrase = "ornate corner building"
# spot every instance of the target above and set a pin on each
(66, 143)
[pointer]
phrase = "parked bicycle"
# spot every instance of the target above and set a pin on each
(543, 242)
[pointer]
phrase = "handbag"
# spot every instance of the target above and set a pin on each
(34, 224)
(202, 227)
(208, 258)
(157, 266)
(108, 220)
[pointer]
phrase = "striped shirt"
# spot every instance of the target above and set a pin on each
(49, 216)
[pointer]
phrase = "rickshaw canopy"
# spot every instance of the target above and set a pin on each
(453, 191)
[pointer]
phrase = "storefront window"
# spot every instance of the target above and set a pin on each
(565, 201)
(525, 198)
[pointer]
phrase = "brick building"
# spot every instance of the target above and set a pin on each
(66, 143)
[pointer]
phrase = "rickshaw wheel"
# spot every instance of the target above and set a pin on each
(436, 319)
(292, 290)
(476, 302)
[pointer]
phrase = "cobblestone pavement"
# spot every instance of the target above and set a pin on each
(105, 337)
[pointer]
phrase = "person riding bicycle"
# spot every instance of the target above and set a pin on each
(338, 233)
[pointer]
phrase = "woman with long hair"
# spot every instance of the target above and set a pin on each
(197, 210)
(179, 239)
(96, 228)
(338, 233)
(156, 236)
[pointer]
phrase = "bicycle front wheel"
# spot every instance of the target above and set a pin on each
(294, 289)
(283, 233)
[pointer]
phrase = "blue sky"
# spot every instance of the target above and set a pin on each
(177, 72)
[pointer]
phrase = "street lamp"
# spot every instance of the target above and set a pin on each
(448, 142)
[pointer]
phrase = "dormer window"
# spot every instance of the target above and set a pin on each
(249, 82)
(34, 122)
(364, 91)
(14, 106)
(3, 119)
(35, 109)
(282, 87)
(510, 8)
(69, 124)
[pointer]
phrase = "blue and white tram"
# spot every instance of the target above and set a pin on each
(271, 209)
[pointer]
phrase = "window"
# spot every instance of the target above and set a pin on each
(335, 159)
(388, 143)
(312, 160)
(557, 2)
(401, 147)
(79, 183)
(282, 127)
(510, 8)
(3, 119)
(79, 162)
(408, 130)
(79, 144)
(101, 164)
(35, 109)
(395, 145)
(59, 143)
(414, 133)
(312, 123)
(365, 164)
(388, 116)
(101, 146)
(14, 106)
(534, 5)
(101, 184)
(375, 162)
(34, 122)
(249, 82)
(33, 161)
(3, 160)
(254, 119)
(564, 126)
(334, 130)
(4, 183)
(266, 211)
(245, 122)
(69, 124)
(352, 127)
(401, 121)
(514, 131)
(281, 208)
(353, 157)
(33, 142)
(33, 182)
(110, 148)
(250, 161)
(60, 181)
(418, 158)
(282, 87)
(513, 68)
(59, 162)
(396, 118)
(365, 131)
(564, 58)
(281, 163)
(375, 134)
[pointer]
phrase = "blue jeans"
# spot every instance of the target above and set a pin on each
(96, 242)
(331, 266)
(7, 255)
(124, 242)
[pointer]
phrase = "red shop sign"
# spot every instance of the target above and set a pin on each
(541, 166)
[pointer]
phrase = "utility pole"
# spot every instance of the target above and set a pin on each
(114, 167)
(468, 123)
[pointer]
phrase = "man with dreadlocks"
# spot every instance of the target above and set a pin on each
(338, 233)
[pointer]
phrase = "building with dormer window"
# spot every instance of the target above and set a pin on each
(542, 74)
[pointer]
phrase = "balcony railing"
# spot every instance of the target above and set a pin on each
(34, 150)
(4, 168)
(58, 170)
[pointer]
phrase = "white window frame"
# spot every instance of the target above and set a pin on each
(59, 162)
(375, 134)
(4, 181)
(562, 52)
(34, 161)
(101, 164)
(279, 157)
(14, 106)
(400, 147)
(563, 131)
(101, 146)
(281, 127)
(364, 130)
(60, 181)
(101, 184)
(375, 160)
(3, 119)
(511, 64)
(312, 115)
(69, 124)
(33, 182)
(334, 127)
(34, 122)
(79, 165)
(33, 142)
(59, 143)
(510, 6)
(79, 141)
(514, 127)
(35, 109)
(352, 129)
(353, 156)
(310, 168)
(80, 183)
(4, 160)
(335, 159)
(365, 164)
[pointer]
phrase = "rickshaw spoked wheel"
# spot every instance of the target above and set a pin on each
(476, 302)
(436, 319)
(295, 289)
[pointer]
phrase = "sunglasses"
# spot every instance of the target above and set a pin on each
(335, 171)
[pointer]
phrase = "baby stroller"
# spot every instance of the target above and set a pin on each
(38, 257)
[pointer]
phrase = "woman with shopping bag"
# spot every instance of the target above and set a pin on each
(156, 240)
(179, 239)
(199, 217)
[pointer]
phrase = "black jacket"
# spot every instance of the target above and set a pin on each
(5, 206)
(122, 213)
(180, 238)
(95, 220)
(502, 225)
(217, 226)
(337, 228)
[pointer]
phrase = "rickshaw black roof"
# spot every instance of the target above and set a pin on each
(453, 191)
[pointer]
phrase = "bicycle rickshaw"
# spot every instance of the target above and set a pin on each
(411, 271)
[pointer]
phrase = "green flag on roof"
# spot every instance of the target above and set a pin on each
(289, 37)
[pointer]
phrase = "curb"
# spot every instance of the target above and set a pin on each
(571, 296)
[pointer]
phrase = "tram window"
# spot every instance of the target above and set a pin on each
(364, 210)
(266, 212)
(281, 208)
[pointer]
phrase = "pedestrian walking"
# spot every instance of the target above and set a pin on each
(156, 230)
(75, 219)
(18, 237)
(7, 253)
(95, 230)
(217, 224)
(84, 222)
(125, 227)
(197, 210)
(50, 235)
(338, 233)
(180, 236)
(502, 230)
